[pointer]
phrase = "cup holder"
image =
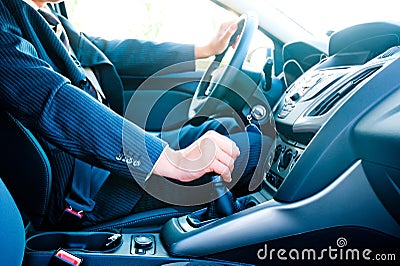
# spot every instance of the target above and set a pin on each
(77, 241)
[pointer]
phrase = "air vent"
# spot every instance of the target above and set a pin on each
(340, 92)
(320, 91)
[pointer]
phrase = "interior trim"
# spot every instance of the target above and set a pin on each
(347, 198)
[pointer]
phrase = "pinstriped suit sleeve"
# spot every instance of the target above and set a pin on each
(144, 58)
(48, 104)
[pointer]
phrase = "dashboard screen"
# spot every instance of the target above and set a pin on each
(346, 59)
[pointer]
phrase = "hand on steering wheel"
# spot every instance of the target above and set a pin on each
(219, 78)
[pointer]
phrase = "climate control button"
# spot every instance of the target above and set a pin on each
(295, 96)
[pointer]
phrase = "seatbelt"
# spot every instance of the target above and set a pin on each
(95, 83)
(86, 182)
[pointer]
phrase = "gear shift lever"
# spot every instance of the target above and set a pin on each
(226, 204)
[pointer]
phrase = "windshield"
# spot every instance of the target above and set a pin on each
(318, 17)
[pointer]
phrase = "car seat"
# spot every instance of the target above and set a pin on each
(12, 233)
(26, 171)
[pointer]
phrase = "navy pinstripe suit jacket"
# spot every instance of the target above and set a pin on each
(39, 85)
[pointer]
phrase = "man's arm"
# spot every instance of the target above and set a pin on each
(138, 57)
(69, 118)
(49, 105)
(144, 58)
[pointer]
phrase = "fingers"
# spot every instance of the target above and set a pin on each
(207, 145)
(221, 169)
(235, 43)
(225, 151)
(224, 143)
(225, 26)
(227, 34)
(218, 43)
(211, 153)
(226, 160)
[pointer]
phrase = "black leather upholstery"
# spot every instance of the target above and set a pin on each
(24, 168)
(12, 236)
(152, 218)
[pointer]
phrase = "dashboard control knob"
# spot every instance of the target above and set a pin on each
(285, 159)
(278, 150)
(295, 96)
(143, 242)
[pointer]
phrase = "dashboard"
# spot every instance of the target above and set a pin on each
(355, 55)
(327, 155)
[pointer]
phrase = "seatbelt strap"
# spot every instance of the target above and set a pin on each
(90, 75)
(95, 83)
(86, 182)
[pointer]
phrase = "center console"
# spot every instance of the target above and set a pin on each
(314, 97)
(306, 106)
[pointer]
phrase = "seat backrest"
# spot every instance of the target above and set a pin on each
(24, 168)
(12, 236)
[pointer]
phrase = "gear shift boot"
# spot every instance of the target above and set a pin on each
(226, 204)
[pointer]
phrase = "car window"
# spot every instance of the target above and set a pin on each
(157, 20)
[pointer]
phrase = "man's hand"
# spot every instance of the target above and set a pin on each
(212, 152)
(219, 43)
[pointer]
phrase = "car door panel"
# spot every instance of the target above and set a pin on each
(159, 102)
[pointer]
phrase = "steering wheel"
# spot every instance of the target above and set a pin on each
(219, 79)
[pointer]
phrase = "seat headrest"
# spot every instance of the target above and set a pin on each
(24, 168)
